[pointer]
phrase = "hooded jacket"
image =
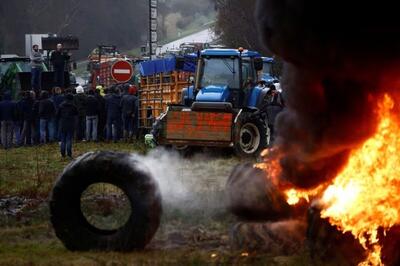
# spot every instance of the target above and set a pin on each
(67, 115)
(113, 106)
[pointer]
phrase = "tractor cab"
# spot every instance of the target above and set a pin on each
(224, 76)
(268, 73)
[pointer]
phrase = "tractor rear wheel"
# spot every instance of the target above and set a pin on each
(120, 170)
(250, 136)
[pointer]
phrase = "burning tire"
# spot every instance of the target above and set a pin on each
(250, 136)
(328, 244)
(120, 170)
(252, 197)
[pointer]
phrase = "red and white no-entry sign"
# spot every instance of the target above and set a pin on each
(122, 71)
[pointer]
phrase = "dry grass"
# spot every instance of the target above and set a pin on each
(195, 233)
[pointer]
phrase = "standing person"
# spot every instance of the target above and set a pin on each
(113, 109)
(67, 114)
(7, 119)
(80, 103)
(92, 116)
(18, 123)
(35, 118)
(36, 68)
(57, 98)
(102, 115)
(128, 104)
(275, 105)
(59, 59)
(26, 105)
(47, 112)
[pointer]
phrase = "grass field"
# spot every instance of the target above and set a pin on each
(194, 229)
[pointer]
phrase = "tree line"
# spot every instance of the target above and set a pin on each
(123, 22)
(119, 22)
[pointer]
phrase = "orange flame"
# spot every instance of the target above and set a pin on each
(365, 196)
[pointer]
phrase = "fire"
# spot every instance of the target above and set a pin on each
(294, 196)
(365, 196)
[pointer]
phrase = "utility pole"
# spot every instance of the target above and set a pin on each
(152, 28)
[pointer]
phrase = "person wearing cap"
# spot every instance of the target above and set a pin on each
(59, 59)
(66, 115)
(80, 101)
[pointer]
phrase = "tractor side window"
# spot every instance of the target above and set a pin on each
(247, 73)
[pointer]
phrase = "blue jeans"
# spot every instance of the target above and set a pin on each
(36, 78)
(26, 133)
(66, 142)
(17, 129)
(113, 128)
(91, 127)
(46, 127)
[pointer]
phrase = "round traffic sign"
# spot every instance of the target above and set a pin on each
(122, 71)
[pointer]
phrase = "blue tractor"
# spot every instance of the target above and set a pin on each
(223, 108)
(267, 74)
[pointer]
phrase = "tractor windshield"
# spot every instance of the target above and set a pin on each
(220, 72)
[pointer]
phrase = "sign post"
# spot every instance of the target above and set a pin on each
(152, 27)
(122, 71)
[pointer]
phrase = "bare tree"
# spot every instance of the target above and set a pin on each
(70, 15)
(236, 24)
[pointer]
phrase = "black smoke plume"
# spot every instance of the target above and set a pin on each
(342, 56)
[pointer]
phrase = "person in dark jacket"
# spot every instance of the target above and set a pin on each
(275, 105)
(128, 107)
(67, 114)
(7, 118)
(57, 98)
(92, 116)
(80, 103)
(18, 122)
(26, 106)
(102, 115)
(47, 112)
(35, 118)
(113, 109)
(59, 59)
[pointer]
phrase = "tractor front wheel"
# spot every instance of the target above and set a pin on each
(250, 136)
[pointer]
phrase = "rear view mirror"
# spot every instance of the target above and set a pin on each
(180, 63)
(258, 64)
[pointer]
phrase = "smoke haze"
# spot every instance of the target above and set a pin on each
(341, 58)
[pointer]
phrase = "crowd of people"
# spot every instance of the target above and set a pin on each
(64, 116)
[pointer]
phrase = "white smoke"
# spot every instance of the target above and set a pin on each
(193, 183)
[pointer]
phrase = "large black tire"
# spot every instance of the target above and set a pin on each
(120, 170)
(250, 136)
(251, 196)
(330, 246)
